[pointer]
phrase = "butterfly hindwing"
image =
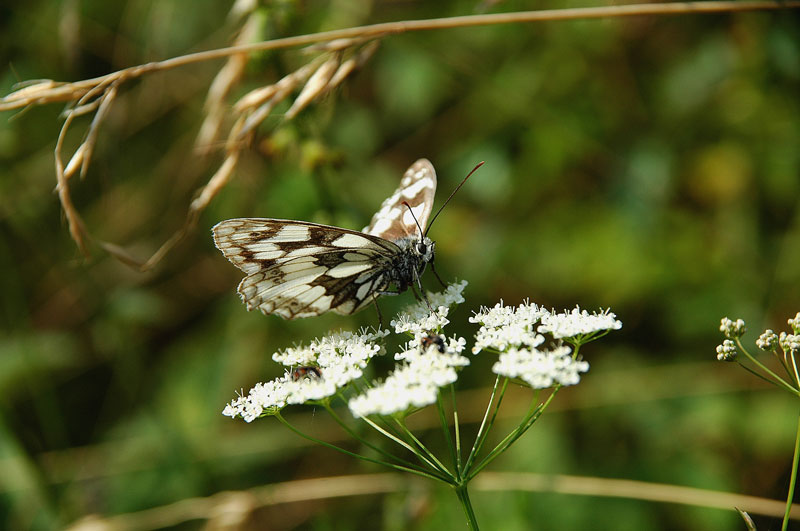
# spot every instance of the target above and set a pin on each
(417, 188)
(300, 269)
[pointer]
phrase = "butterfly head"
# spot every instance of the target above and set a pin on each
(424, 249)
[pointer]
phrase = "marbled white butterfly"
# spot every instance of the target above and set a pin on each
(300, 269)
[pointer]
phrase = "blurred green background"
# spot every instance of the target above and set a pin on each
(649, 164)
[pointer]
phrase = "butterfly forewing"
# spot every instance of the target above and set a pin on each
(417, 188)
(300, 269)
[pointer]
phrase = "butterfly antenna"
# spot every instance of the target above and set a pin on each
(481, 163)
(421, 234)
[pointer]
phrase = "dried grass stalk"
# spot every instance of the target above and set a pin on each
(97, 94)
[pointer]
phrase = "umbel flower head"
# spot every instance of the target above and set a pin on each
(784, 346)
(334, 365)
(339, 358)
(517, 334)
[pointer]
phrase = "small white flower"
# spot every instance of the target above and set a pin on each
(506, 326)
(416, 347)
(263, 398)
(413, 385)
(727, 351)
(768, 340)
(790, 343)
(732, 329)
(341, 357)
(541, 369)
(795, 323)
(418, 319)
(578, 324)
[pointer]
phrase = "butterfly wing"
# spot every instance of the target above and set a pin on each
(299, 269)
(417, 188)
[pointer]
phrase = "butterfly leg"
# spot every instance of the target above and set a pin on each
(424, 295)
(378, 309)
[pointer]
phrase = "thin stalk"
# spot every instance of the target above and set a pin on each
(480, 438)
(439, 465)
(446, 430)
(363, 441)
(780, 381)
(422, 458)
(533, 414)
(466, 504)
(358, 456)
(457, 429)
(796, 376)
(793, 480)
(387, 28)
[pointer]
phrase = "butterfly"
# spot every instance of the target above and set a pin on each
(300, 269)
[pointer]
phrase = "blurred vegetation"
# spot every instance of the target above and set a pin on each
(649, 164)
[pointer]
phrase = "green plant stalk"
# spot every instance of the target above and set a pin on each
(795, 374)
(446, 430)
(532, 416)
(457, 428)
(466, 504)
(439, 465)
(363, 441)
(443, 474)
(357, 456)
(793, 480)
(778, 380)
(480, 437)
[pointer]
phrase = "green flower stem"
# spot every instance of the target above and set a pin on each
(457, 428)
(777, 379)
(480, 437)
(466, 504)
(796, 376)
(418, 443)
(441, 475)
(532, 416)
(793, 480)
(358, 456)
(363, 441)
(780, 383)
(446, 430)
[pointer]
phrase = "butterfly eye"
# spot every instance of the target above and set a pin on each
(422, 248)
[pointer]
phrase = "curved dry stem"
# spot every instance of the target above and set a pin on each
(221, 504)
(49, 91)
(104, 88)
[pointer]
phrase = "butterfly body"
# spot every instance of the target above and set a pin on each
(300, 269)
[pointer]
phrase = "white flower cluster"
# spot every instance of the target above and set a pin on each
(541, 369)
(416, 383)
(429, 360)
(727, 351)
(768, 340)
(269, 396)
(505, 326)
(790, 343)
(795, 323)
(577, 323)
(732, 329)
(516, 333)
(337, 360)
(418, 319)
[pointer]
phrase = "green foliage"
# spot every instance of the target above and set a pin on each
(649, 164)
